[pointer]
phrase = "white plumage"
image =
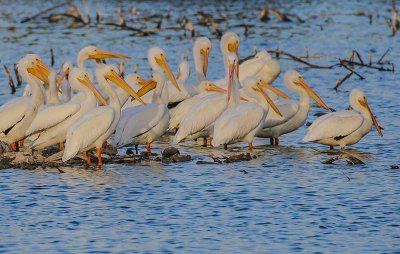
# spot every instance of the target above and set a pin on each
(344, 127)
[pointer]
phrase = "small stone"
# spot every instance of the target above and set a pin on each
(170, 151)
(129, 151)
(394, 167)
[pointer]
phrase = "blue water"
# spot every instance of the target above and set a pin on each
(283, 201)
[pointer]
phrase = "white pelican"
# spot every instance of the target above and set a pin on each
(17, 114)
(177, 113)
(201, 51)
(136, 82)
(199, 119)
(262, 65)
(91, 52)
(79, 80)
(241, 121)
(53, 112)
(64, 86)
(344, 127)
(143, 124)
(294, 113)
(97, 125)
(229, 44)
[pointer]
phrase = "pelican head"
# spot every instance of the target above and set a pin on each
(201, 51)
(230, 43)
(110, 74)
(296, 83)
(32, 64)
(358, 101)
(92, 52)
(263, 55)
(78, 78)
(253, 87)
(134, 79)
(208, 86)
(158, 60)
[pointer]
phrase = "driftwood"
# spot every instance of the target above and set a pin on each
(350, 159)
(44, 11)
(10, 80)
(17, 76)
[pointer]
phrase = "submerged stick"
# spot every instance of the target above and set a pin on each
(10, 80)
(17, 76)
(52, 57)
(43, 12)
(340, 82)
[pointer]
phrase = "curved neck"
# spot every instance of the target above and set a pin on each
(53, 93)
(198, 65)
(81, 58)
(113, 98)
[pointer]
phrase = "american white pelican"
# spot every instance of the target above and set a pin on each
(143, 124)
(17, 114)
(53, 112)
(136, 82)
(241, 121)
(262, 65)
(97, 125)
(294, 113)
(205, 88)
(91, 52)
(201, 51)
(344, 127)
(199, 119)
(229, 44)
(158, 61)
(79, 80)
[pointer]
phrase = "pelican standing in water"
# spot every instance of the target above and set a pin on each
(241, 121)
(344, 127)
(294, 112)
(17, 114)
(199, 119)
(146, 123)
(97, 125)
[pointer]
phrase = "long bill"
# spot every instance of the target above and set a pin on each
(113, 77)
(162, 61)
(273, 89)
(217, 89)
(147, 86)
(86, 82)
(313, 94)
(230, 80)
(365, 104)
(234, 48)
(205, 54)
(104, 54)
(37, 72)
(268, 99)
(60, 79)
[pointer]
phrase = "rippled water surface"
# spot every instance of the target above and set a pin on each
(286, 200)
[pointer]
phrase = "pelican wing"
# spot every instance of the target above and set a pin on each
(49, 116)
(137, 121)
(236, 122)
(180, 111)
(251, 67)
(13, 112)
(287, 107)
(201, 115)
(334, 125)
(84, 132)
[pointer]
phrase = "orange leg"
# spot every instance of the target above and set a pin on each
(205, 142)
(148, 147)
(225, 147)
(251, 147)
(88, 160)
(62, 147)
(100, 162)
(21, 143)
(136, 149)
(14, 147)
(277, 141)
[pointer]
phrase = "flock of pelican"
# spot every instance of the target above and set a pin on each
(68, 110)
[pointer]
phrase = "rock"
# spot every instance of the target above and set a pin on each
(130, 151)
(176, 158)
(394, 167)
(170, 151)
(206, 162)
(238, 157)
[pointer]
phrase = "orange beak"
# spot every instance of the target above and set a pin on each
(364, 103)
